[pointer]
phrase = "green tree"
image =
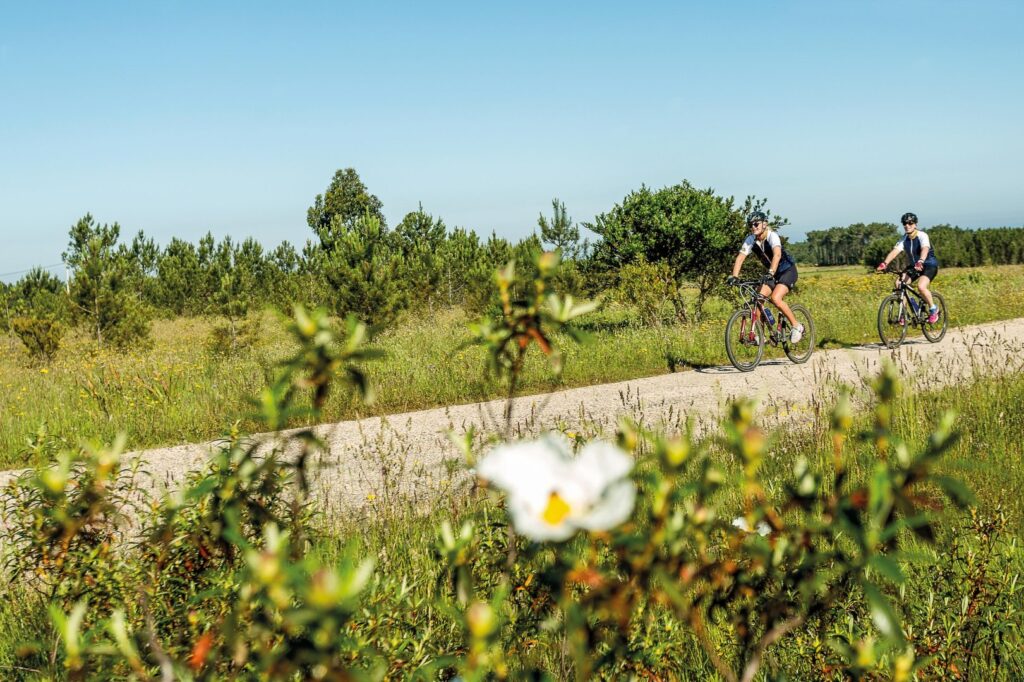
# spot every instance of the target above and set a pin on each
(695, 231)
(364, 270)
(560, 231)
(420, 237)
(341, 206)
(40, 294)
(101, 288)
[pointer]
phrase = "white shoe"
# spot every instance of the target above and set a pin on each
(796, 334)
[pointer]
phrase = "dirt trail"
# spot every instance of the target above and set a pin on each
(375, 458)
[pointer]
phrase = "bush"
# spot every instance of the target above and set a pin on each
(41, 337)
(649, 287)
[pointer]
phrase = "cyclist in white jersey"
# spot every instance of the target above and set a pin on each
(766, 244)
(921, 253)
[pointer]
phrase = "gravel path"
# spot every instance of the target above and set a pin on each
(374, 459)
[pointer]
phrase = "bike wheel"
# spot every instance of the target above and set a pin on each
(800, 351)
(744, 352)
(892, 321)
(934, 331)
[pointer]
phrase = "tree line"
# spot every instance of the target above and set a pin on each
(650, 247)
(868, 243)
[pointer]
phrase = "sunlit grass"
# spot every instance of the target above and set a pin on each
(177, 392)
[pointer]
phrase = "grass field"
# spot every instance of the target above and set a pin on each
(989, 457)
(177, 392)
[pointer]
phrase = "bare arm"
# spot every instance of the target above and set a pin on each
(776, 258)
(738, 264)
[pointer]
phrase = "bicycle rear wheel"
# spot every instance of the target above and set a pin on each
(934, 331)
(744, 341)
(800, 351)
(892, 321)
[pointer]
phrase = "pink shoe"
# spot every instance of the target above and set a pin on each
(934, 317)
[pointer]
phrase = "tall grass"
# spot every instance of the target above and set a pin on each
(178, 391)
(401, 537)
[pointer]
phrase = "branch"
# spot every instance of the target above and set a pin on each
(698, 628)
(766, 641)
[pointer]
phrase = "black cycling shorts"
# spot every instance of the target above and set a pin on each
(929, 271)
(787, 277)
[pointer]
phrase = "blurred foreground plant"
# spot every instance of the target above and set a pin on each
(738, 593)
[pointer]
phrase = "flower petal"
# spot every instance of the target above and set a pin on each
(600, 464)
(612, 509)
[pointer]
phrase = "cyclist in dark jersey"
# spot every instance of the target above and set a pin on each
(766, 244)
(921, 253)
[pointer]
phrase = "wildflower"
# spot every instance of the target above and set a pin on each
(552, 495)
(741, 523)
(44, 371)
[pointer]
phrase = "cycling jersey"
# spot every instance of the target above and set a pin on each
(764, 251)
(914, 247)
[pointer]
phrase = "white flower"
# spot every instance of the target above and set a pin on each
(741, 523)
(551, 495)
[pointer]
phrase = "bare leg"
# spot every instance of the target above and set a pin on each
(777, 294)
(922, 286)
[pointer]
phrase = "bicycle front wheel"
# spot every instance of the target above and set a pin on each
(892, 321)
(744, 341)
(934, 331)
(800, 351)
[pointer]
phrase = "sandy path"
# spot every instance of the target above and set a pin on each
(376, 458)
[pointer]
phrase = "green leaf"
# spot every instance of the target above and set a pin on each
(884, 618)
(887, 567)
(961, 495)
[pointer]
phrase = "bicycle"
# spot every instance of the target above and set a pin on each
(905, 307)
(752, 325)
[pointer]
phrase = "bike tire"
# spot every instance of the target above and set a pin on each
(890, 331)
(800, 352)
(743, 356)
(935, 332)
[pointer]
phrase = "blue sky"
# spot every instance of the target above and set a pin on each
(179, 118)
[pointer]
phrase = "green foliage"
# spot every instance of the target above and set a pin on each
(526, 322)
(41, 337)
(39, 294)
(823, 540)
(845, 245)
(229, 582)
(560, 232)
(421, 239)
(101, 290)
(66, 521)
(361, 269)
(694, 231)
(345, 202)
(649, 288)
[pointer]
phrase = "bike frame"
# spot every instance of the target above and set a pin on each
(902, 288)
(756, 304)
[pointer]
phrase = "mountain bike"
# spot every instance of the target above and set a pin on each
(752, 326)
(905, 307)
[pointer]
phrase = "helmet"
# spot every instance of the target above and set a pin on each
(908, 218)
(756, 217)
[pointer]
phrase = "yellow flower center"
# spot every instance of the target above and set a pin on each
(556, 511)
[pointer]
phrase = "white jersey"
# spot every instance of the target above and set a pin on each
(766, 250)
(771, 242)
(922, 238)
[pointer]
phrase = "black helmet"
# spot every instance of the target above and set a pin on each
(756, 217)
(908, 218)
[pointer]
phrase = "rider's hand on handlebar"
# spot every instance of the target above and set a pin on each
(919, 266)
(882, 267)
(731, 280)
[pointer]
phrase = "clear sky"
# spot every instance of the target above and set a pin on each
(179, 118)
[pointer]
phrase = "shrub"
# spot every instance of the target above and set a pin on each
(41, 337)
